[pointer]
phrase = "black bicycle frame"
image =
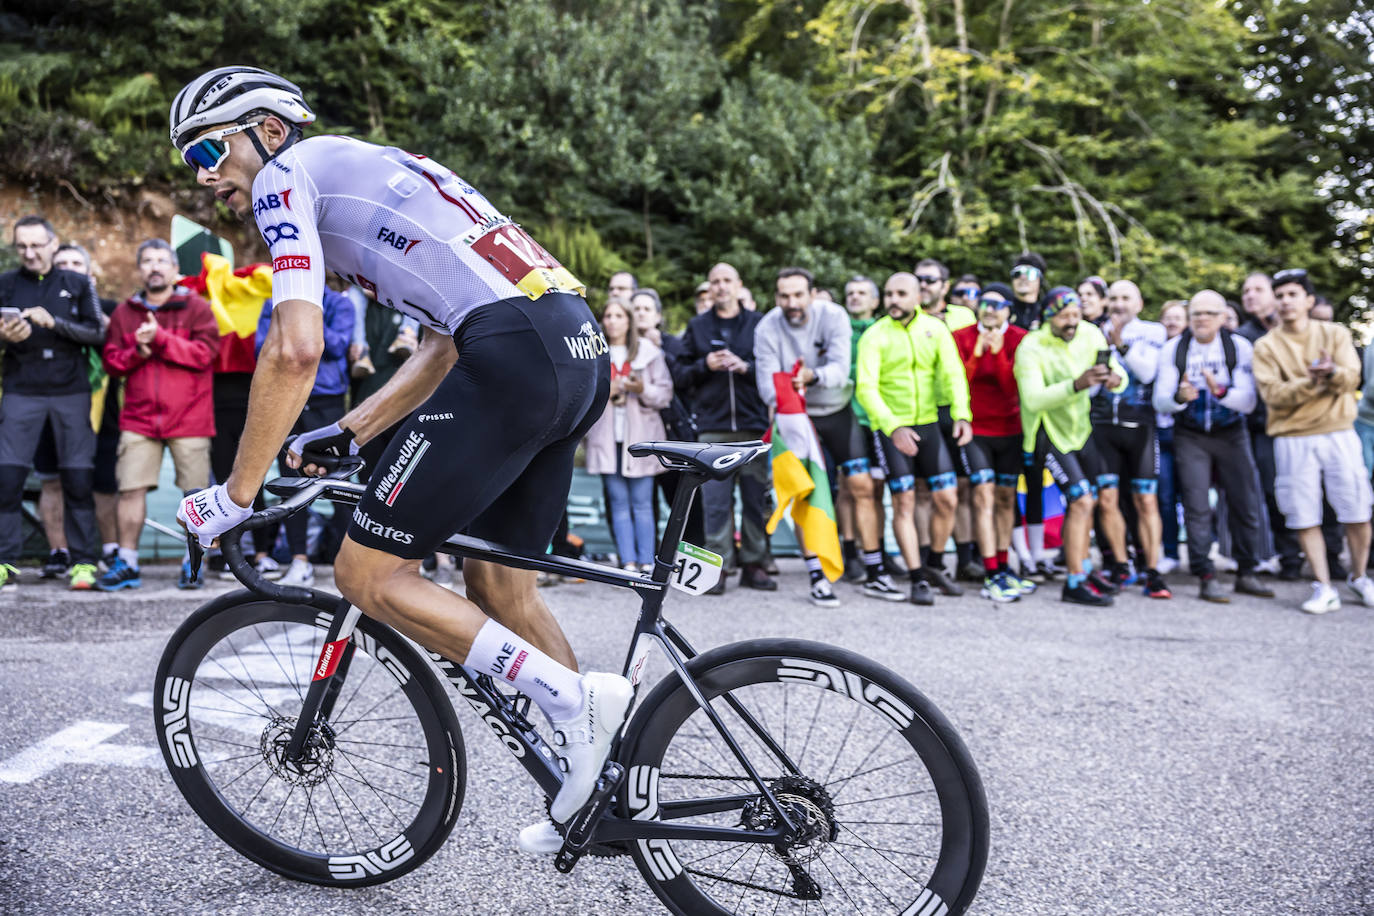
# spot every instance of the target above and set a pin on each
(505, 714)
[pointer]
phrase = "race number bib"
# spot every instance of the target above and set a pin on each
(697, 570)
(524, 262)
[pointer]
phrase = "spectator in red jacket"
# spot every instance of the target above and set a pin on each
(164, 341)
(993, 459)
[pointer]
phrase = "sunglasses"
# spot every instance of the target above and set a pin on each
(210, 151)
(993, 304)
(970, 292)
(929, 281)
(1025, 270)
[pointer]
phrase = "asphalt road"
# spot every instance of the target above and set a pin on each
(1156, 757)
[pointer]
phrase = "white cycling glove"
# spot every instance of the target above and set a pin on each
(209, 513)
(323, 446)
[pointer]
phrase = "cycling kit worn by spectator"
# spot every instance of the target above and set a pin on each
(630, 480)
(1123, 422)
(47, 381)
(1211, 441)
(728, 409)
(489, 449)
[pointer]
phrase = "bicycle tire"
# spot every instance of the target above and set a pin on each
(665, 736)
(242, 659)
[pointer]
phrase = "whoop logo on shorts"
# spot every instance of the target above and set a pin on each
(394, 480)
(589, 344)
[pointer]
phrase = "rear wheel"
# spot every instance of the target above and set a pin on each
(894, 816)
(380, 784)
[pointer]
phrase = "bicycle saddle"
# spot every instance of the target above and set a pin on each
(716, 460)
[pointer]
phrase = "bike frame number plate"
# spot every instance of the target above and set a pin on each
(698, 570)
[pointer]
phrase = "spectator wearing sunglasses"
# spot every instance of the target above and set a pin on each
(993, 459)
(964, 292)
(1307, 373)
(1028, 285)
(932, 279)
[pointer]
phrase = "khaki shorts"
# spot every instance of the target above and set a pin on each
(140, 461)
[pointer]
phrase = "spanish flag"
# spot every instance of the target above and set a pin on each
(799, 478)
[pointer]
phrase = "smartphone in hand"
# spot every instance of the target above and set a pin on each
(1104, 357)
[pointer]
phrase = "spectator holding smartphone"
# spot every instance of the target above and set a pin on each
(640, 388)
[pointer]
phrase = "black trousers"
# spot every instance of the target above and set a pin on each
(1226, 453)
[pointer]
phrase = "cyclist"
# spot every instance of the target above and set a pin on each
(902, 362)
(490, 449)
(1124, 434)
(1056, 365)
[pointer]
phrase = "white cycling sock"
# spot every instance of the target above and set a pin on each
(1035, 536)
(129, 555)
(1018, 543)
(111, 547)
(498, 652)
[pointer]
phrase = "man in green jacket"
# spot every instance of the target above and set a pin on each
(1058, 366)
(904, 359)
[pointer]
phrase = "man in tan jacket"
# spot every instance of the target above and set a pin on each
(1307, 372)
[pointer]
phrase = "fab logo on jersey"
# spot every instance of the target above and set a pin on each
(396, 240)
(272, 202)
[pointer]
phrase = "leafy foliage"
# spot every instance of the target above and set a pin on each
(1180, 142)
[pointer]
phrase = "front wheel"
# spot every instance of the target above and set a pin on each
(894, 813)
(381, 782)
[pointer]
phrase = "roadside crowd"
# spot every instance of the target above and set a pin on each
(970, 401)
(974, 404)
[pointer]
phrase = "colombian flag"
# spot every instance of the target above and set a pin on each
(799, 478)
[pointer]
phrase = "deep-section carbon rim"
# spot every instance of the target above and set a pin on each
(381, 784)
(897, 821)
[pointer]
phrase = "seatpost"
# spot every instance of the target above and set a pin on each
(677, 523)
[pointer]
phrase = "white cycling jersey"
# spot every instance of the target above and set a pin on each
(402, 227)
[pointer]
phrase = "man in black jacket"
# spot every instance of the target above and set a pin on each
(716, 369)
(49, 318)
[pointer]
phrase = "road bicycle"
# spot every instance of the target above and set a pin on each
(765, 776)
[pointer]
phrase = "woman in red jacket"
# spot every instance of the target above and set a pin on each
(993, 459)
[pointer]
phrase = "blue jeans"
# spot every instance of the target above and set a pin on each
(1168, 492)
(632, 516)
(1366, 434)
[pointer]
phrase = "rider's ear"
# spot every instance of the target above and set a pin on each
(274, 132)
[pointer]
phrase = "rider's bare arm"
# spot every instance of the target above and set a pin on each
(286, 371)
(412, 384)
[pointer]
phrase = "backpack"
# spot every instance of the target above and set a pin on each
(1228, 350)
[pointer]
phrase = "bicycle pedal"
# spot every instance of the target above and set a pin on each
(583, 824)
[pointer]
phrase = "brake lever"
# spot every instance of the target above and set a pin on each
(197, 553)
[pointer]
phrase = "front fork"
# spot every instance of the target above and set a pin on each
(334, 659)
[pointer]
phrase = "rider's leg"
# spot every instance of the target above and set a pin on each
(511, 597)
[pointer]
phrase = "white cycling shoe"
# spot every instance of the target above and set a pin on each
(585, 739)
(541, 839)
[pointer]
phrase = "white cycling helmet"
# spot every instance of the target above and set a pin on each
(225, 95)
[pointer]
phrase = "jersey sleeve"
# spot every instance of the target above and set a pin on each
(285, 208)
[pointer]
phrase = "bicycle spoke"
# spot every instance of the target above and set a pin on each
(291, 678)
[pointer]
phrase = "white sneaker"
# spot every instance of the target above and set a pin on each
(1324, 600)
(586, 739)
(1166, 565)
(300, 574)
(1270, 566)
(541, 839)
(822, 595)
(1364, 588)
(1222, 562)
(269, 568)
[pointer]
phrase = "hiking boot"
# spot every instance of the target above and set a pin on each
(1082, 593)
(1209, 589)
(120, 575)
(937, 577)
(921, 593)
(56, 565)
(752, 575)
(83, 577)
(822, 595)
(1248, 583)
(882, 587)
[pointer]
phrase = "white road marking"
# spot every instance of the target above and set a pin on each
(79, 743)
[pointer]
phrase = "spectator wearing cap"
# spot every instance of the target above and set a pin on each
(1206, 385)
(1028, 285)
(717, 371)
(51, 316)
(703, 302)
(1307, 373)
(162, 341)
(1092, 291)
(964, 292)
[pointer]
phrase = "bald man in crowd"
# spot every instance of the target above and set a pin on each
(1124, 433)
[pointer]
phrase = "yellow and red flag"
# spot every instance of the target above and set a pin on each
(799, 478)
